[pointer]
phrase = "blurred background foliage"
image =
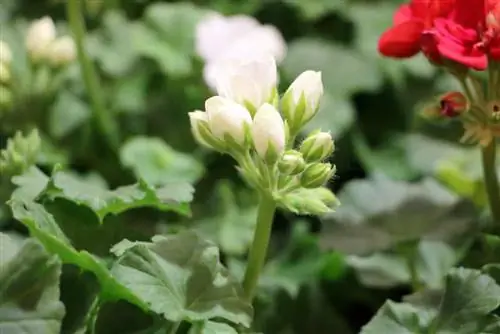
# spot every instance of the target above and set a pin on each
(408, 190)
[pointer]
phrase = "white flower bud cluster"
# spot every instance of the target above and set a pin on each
(43, 45)
(5, 75)
(244, 121)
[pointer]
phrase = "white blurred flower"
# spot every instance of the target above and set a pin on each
(227, 118)
(301, 100)
(220, 39)
(62, 51)
(268, 133)
(5, 53)
(40, 36)
(250, 82)
(215, 32)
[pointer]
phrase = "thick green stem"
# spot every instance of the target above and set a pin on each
(491, 181)
(174, 328)
(258, 250)
(104, 120)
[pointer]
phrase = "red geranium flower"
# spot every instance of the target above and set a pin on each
(405, 38)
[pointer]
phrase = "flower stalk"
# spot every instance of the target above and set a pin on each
(103, 118)
(260, 243)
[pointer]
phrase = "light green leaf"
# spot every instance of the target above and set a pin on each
(42, 226)
(29, 291)
(469, 296)
(172, 197)
(393, 318)
(167, 36)
(433, 260)
(152, 160)
(211, 327)
(344, 71)
(181, 277)
(232, 227)
(67, 114)
(30, 184)
(111, 45)
(367, 222)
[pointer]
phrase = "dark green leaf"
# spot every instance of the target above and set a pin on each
(29, 291)
(367, 222)
(210, 327)
(180, 276)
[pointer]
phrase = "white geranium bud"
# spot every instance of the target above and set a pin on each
(301, 100)
(227, 118)
(317, 146)
(4, 73)
(250, 81)
(268, 133)
(40, 36)
(5, 53)
(291, 163)
(201, 130)
(62, 51)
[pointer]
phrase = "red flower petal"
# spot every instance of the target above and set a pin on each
(402, 15)
(402, 40)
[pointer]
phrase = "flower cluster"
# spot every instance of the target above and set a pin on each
(43, 45)
(244, 121)
(220, 38)
(5, 74)
(458, 35)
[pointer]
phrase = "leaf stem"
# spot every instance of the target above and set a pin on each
(91, 318)
(258, 250)
(104, 120)
(174, 328)
(491, 181)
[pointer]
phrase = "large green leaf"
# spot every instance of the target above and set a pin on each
(29, 290)
(68, 113)
(211, 327)
(464, 307)
(152, 160)
(166, 35)
(172, 197)
(181, 277)
(42, 226)
(378, 214)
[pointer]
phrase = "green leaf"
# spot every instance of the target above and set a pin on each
(152, 160)
(111, 45)
(172, 197)
(211, 327)
(464, 307)
(314, 9)
(42, 226)
(167, 36)
(29, 291)
(469, 296)
(387, 269)
(367, 222)
(181, 277)
(67, 114)
(30, 184)
(356, 73)
(232, 227)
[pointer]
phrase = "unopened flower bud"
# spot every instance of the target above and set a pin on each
(201, 130)
(453, 104)
(316, 175)
(301, 100)
(5, 53)
(318, 146)
(249, 81)
(291, 163)
(40, 36)
(62, 51)
(268, 133)
(228, 120)
(494, 108)
(4, 73)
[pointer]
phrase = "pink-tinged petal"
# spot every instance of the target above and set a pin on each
(401, 41)
(470, 13)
